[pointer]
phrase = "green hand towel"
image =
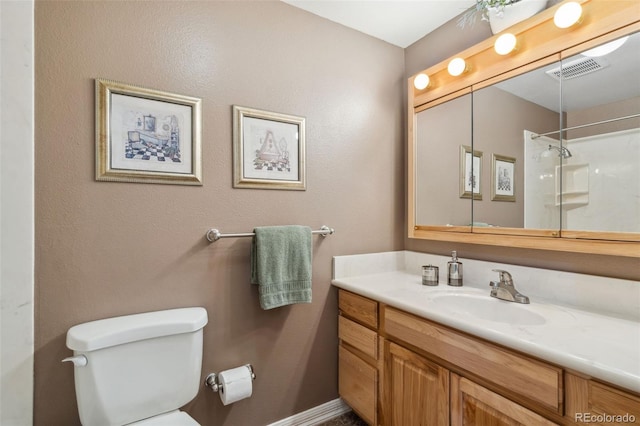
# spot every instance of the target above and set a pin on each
(281, 265)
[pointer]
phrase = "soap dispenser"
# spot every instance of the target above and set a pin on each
(454, 271)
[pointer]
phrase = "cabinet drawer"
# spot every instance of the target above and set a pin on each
(358, 308)
(357, 385)
(474, 404)
(358, 336)
(513, 372)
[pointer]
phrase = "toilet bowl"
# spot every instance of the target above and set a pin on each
(138, 369)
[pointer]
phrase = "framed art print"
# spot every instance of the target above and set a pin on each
(269, 150)
(470, 172)
(503, 172)
(147, 136)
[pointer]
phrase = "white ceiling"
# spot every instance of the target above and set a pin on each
(616, 81)
(399, 22)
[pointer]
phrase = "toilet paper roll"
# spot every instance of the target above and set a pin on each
(236, 384)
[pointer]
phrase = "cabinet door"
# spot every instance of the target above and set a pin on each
(598, 404)
(472, 404)
(417, 389)
(358, 385)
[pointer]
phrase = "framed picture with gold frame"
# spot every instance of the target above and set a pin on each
(268, 150)
(470, 172)
(503, 172)
(147, 136)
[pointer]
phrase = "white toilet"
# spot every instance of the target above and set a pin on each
(138, 369)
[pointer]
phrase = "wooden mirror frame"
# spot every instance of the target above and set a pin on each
(540, 43)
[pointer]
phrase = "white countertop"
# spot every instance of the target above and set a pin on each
(602, 346)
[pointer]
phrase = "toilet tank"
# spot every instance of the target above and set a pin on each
(138, 366)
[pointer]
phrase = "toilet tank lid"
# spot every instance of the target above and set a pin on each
(103, 333)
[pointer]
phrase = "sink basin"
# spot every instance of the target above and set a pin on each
(488, 308)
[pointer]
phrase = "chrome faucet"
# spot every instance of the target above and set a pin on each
(505, 290)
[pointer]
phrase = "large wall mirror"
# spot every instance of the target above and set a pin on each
(543, 155)
(601, 146)
(441, 133)
(505, 117)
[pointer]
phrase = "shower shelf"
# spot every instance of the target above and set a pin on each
(572, 200)
(575, 180)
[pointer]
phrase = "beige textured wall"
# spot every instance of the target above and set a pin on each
(106, 249)
(444, 43)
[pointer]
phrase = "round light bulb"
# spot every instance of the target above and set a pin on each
(457, 66)
(567, 15)
(505, 44)
(421, 81)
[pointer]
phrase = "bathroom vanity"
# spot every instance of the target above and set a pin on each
(492, 163)
(413, 354)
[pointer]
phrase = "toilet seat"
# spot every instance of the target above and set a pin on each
(172, 418)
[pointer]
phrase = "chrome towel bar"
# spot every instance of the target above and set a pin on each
(214, 235)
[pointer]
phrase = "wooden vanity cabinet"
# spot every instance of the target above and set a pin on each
(534, 383)
(400, 369)
(359, 355)
(465, 402)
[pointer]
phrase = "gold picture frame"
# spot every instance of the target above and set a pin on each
(268, 150)
(470, 173)
(147, 136)
(503, 181)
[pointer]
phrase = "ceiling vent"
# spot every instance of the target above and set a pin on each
(578, 68)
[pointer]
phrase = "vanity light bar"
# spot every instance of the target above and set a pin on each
(566, 16)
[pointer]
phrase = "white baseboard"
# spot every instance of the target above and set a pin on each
(316, 415)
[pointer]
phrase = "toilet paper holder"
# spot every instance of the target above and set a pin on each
(212, 382)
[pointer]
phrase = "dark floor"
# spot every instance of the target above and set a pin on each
(347, 419)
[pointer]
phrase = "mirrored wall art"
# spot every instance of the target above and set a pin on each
(503, 174)
(470, 173)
